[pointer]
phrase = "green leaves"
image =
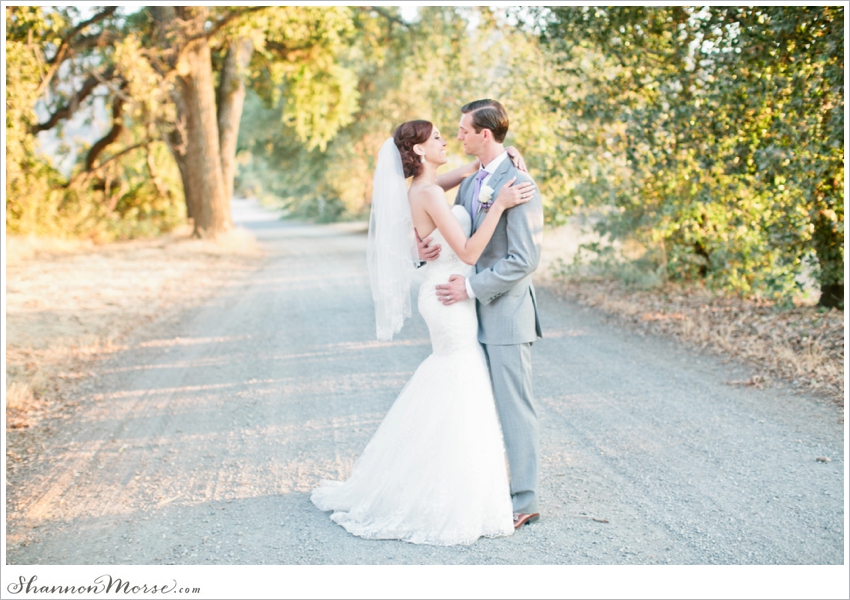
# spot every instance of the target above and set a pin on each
(320, 100)
(732, 135)
(302, 63)
(712, 137)
(301, 56)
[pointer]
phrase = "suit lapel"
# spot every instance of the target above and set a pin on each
(496, 181)
(465, 193)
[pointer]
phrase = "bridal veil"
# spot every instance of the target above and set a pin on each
(391, 252)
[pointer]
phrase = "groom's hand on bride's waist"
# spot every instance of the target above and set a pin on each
(453, 291)
(426, 252)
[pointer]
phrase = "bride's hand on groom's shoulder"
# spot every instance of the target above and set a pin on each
(511, 195)
(516, 158)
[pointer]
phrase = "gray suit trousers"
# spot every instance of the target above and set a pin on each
(508, 324)
(510, 369)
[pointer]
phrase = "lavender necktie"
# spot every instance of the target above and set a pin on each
(476, 191)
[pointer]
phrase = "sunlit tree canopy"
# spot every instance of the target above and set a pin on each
(709, 137)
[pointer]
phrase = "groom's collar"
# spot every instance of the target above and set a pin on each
(494, 164)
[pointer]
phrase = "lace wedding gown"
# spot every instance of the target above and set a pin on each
(434, 472)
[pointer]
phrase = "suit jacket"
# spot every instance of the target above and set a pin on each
(506, 304)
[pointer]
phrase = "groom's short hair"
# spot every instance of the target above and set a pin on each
(488, 114)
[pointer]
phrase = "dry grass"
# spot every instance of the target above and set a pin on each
(70, 302)
(802, 346)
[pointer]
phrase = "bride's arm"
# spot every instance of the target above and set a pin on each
(469, 250)
(453, 178)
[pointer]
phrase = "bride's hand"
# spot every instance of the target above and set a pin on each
(516, 158)
(510, 195)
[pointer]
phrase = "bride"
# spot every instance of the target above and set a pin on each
(434, 472)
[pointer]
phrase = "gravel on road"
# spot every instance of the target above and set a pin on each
(199, 444)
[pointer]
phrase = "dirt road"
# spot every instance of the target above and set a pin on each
(200, 443)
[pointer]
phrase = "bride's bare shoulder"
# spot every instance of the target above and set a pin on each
(427, 194)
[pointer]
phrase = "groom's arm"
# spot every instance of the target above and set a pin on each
(465, 190)
(460, 190)
(525, 235)
(459, 200)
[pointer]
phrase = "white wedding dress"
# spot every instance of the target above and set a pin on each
(434, 472)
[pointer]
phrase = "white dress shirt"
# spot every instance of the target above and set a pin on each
(490, 168)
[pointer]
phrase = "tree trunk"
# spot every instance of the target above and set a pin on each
(828, 245)
(231, 97)
(195, 142)
(202, 180)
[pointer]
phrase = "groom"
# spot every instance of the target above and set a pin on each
(507, 310)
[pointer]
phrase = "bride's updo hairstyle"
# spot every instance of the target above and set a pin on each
(406, 136)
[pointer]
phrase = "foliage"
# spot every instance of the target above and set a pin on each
(709, 138)
(426, 69)
(131, 194)
(299, 61)
(126, 183)
(714, 135)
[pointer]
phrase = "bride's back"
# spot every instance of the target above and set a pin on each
(417, 196)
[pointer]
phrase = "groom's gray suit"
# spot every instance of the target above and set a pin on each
(508, 324)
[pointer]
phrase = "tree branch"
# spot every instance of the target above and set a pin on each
(66, 42)
(95, 40)
(288, 53)
(389, 17)
(69, 109)
(123, 152)
(114, 132)
(208, 33)
(65, 47)
(85, 176)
